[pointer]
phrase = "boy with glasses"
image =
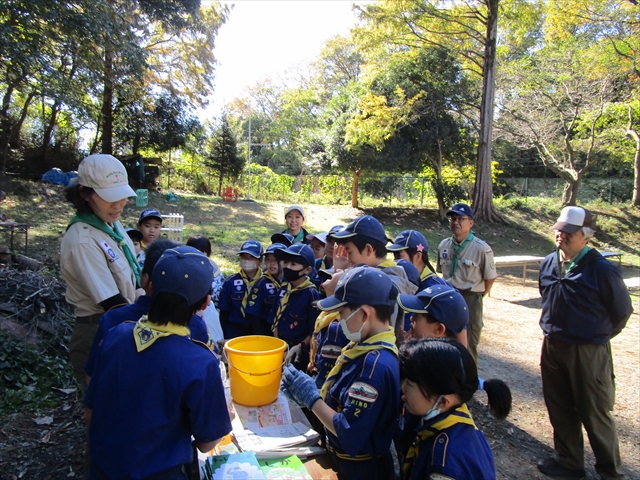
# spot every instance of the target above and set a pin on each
(466, 262)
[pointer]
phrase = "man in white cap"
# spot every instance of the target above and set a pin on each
(584, 304)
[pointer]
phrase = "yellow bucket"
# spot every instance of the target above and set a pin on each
(255, 368)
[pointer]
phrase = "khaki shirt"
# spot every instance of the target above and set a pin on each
(475, 264)
(94, 268)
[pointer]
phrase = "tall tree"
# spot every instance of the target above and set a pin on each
(173, 123)
(470, 29)
(222, 156)
(552, 102)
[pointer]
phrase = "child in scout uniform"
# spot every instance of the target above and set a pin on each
(365, 241)
(266, 290)
(317, 242)
(440, 376)
(149, 223)
(293, 315)
(328, 339)
(236, 294)
(437, 311)
(153, 387)
(359, 403)
(413, 246)
(294, 219)
(136, 239)
(133, 312)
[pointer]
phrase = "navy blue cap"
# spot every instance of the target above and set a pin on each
(135, 235)
(461, 209)
(361, 286)
(334, 229)
(150, 213)
(253, 248)
(299, 252)
(275, 246)
(409, 239)
(410, 269)
(284, 238)
(185, 271)
(442, 303)
(365, 226)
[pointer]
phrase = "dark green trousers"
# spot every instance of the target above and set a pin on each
(474, 329)
(579, 390)
(80, 345)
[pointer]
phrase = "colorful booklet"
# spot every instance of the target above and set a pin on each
(236, 465)
(289, 468)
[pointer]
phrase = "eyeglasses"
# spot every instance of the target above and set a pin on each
(458, 219)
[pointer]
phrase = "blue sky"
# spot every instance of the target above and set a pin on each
(265, 38)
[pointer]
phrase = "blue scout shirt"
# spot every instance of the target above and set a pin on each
(429, 279)
(367, 399)
(266, 291)
(231, 296)
(299, 316)
(132, 313)
(454, 449)
(146, 405)
(330, 341)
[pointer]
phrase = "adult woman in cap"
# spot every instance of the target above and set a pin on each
(97, 258)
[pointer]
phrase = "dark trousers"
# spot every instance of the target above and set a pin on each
(579, 389)
(474, 329)
(80, 345)
(355, 468)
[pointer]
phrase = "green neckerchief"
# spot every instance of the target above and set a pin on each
(459, 415)
(386, 339)
(457, 249)
(145, 333)
(92, 219)
(575, 261)
(299, 237)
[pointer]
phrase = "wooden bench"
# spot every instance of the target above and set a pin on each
(529, 263)
(610, 255)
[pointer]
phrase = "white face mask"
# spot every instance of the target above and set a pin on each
(433, 411)
(354, 337)
(249, 265)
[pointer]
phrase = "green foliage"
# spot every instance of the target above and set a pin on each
(27, 376)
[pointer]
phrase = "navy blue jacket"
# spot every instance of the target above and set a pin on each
(589, 305)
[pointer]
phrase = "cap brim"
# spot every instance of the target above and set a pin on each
(396, 247)
(295, 257)
(462, 213)
(280, 238)
(330, 303)
(253, 254)
(566, 227)
(344, 234)
(115, 194)
(410, 303)
(327, 274)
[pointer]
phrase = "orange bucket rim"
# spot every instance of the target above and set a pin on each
(282, 347)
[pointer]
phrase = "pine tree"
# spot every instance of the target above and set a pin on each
(223, 155)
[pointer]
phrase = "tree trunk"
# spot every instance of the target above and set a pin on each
(220, 182)
(107, 102)
(46, 138)
(438, 186)
(5, 126)
(570, 192)
(483, 190)
(633, 133)
(354, 188)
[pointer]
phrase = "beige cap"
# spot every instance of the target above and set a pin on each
(107, 176)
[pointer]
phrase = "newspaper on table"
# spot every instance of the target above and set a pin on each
(276, 438)
(274, 414)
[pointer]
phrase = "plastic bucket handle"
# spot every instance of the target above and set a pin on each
(224, 352)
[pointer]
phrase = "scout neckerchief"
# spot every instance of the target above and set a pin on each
(249, 283)
(146, 332)
(386, 339)
(92, 219)
(299, 237)
(457, 249)
(426, 273)
(285, 300)
(387, 263)
(574, 262)
(275, 281)
(322, 322)
(460, 415)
